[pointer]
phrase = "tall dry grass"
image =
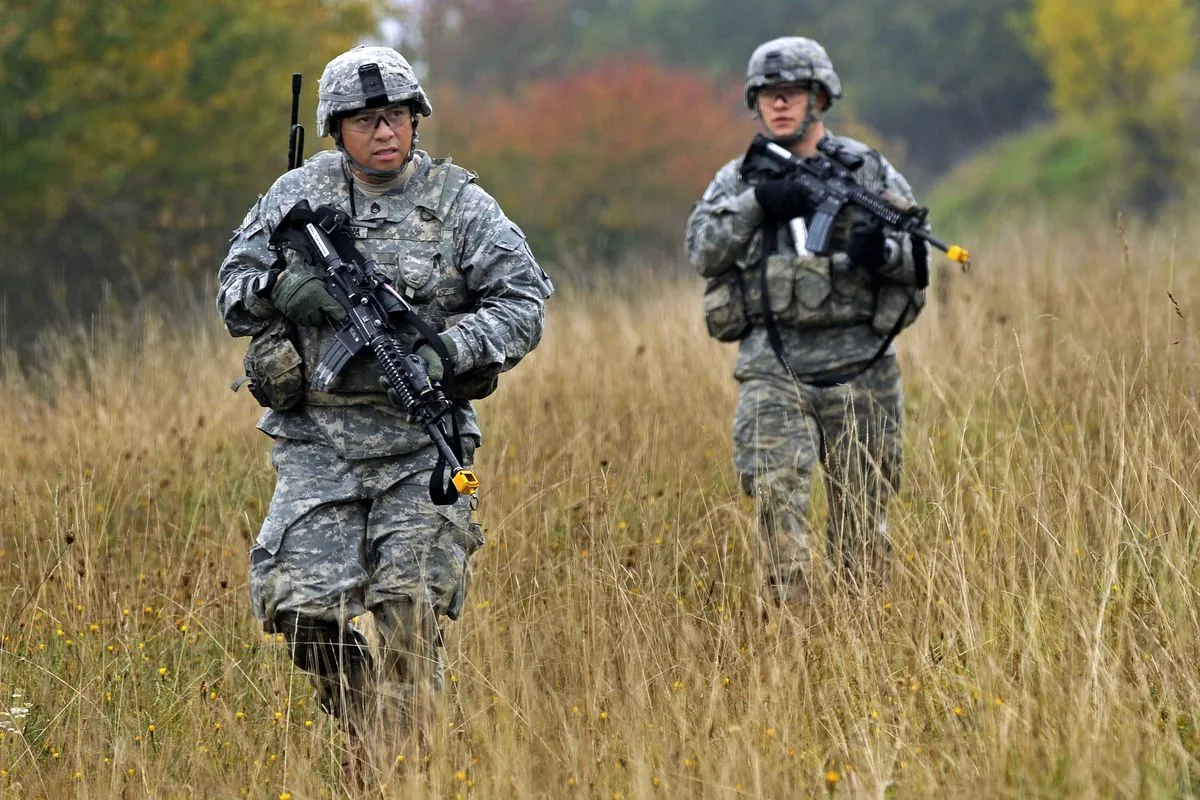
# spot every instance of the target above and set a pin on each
(1039, 639)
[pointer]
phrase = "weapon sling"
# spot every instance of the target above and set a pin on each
(770, 245)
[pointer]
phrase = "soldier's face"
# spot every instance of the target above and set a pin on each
(783, 107)
(379, 138)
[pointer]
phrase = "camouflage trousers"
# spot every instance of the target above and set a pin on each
(344, 537)
(781, 431)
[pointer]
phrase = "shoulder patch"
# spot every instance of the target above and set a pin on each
(252, 222)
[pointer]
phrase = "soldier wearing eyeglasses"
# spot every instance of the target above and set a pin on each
(351, 528)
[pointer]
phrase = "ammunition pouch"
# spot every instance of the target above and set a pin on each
(274, 369)
(794, 290)
(799, 292)
(896, 302)
(474, 385)
(725, 306)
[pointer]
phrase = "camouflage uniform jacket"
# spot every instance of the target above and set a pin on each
(450, 249)
(844, 310)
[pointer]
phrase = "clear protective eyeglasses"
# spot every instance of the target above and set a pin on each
(395, 115)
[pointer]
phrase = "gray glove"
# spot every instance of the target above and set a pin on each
(431, 359)
(304, 300)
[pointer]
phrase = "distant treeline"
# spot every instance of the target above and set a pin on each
(134, 134)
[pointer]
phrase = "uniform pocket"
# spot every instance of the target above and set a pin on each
(813, 285)
(411, 264)
(474, 538)
(285, 511)
(781, 284)
(895, 303)
(409, 260)
(725, 307)
(468, 537)
(274, 367)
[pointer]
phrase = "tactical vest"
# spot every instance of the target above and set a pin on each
(410, 236)
(801, 292)
(806, 292)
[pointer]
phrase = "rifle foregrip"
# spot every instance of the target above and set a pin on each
(389, 358)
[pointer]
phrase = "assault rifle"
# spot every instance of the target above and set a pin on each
(374, 310)
(829, 180)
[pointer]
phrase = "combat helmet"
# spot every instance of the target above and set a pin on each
(790, 59)
(367, 77)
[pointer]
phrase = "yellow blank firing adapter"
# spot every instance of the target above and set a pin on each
(960, 255)
(465, 481)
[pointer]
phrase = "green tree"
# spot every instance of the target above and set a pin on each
(134, 133)
(940, 76)
(497, 43)
(1120, 63)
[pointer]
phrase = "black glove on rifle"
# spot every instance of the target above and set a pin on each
(783, 199)
(866, 245)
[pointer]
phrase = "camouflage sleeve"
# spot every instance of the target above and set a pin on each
(243, 275)
(721, 224)
(511, 289)
(896, 188)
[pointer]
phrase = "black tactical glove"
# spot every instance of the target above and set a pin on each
(783, 199)
(866, 245)
(304, 300)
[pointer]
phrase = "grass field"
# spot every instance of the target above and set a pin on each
(1039, 639)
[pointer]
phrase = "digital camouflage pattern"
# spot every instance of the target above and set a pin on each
(725, 230)
(451, 250)
(344, 536)
(341, 89)
(832, 317)
(790, 59)
(274, 371)
(351, 527)
(781, 430)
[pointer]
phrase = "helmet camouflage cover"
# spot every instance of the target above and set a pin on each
(366, 77)
(790, 59)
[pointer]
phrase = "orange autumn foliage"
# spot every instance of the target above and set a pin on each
(601, 162)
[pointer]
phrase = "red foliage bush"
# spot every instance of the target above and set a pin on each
(600, 162)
